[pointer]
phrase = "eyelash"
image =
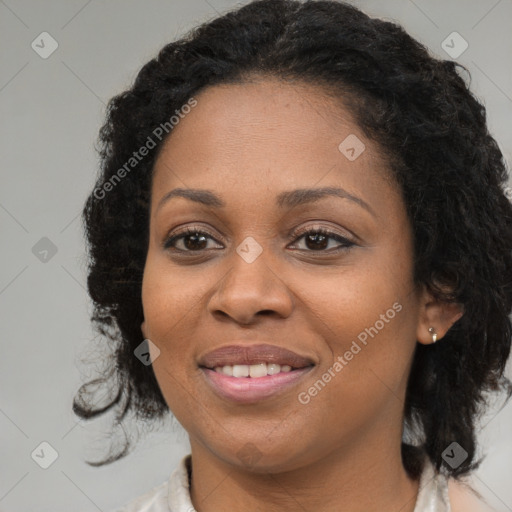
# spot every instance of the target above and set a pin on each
(345, 243)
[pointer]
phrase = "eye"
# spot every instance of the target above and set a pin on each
(194, 240)
(317, 240)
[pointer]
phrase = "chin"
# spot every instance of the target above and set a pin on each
(256, 457)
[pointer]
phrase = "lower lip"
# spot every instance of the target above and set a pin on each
(249, 389)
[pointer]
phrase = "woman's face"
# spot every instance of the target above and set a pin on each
(252, 276)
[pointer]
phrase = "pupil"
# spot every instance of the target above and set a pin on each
(316, 237)
(194, 236)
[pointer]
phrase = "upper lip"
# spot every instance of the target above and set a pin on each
(253, 354)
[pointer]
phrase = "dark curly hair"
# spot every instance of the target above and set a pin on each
(433, 132)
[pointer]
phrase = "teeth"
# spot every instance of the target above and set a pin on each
(240, 370)
(258, 370)
(253, 370)
(272, 368)
(227, 370)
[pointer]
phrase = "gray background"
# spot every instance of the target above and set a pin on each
(51, 110)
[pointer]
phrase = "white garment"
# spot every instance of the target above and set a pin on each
(174, 495)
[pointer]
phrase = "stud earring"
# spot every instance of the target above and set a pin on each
(433, 332)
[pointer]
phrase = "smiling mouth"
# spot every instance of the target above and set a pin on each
(247, 374)
(244, 388)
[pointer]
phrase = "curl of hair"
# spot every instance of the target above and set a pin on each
(432, 130)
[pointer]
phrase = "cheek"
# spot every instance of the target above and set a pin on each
(362, 302)
(368, 319)
(169, 297)
(169, 307)
(363, 380)
(169, 314)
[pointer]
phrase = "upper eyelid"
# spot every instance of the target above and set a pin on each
(293, 231)
(317, 224)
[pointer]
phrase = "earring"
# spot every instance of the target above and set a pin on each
(433, 332)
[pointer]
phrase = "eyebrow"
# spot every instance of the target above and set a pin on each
(288, 199)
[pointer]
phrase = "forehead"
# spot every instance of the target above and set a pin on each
(266, 135)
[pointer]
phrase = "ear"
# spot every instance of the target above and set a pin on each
(437, 315)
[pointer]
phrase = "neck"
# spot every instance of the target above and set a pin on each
(358, 477)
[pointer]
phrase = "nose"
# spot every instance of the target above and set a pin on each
(249, 290)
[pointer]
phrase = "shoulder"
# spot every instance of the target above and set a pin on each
(464, 499)
(154, 500)
(172, 494)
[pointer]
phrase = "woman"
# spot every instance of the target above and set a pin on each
(302, 214)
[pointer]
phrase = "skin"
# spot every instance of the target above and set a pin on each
(341, 451)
